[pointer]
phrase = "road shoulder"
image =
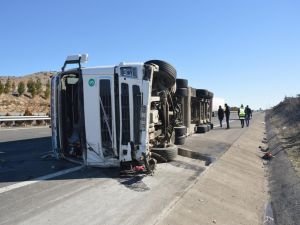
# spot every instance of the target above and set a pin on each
(232, 191)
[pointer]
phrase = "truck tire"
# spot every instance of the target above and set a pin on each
(180, 140)
(208, 127)
(158, 157)
(181, 83)
(165, 78)
(201, 129)
(169, 153)
(183, 92)
(180, 131)
(193, 92)
(210, 95)
(201, 93)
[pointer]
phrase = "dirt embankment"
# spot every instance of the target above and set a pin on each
(10, 105)
(283, 133)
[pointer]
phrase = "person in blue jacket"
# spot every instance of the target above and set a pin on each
(248, 116)
(220, 115)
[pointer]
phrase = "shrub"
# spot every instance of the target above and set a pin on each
(31, 88)
(21, 88)
(38, 86)
(7, 86)
(1, 88)
(47, 91)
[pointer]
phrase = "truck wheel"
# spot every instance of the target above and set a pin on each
(210, 95)
(180, 140)
(166, 76)
(201, 93)
(183, 92)
(169, 153)
(180, 131)
(193, 92)
(201, 129)
(181, 83)
(208, 127)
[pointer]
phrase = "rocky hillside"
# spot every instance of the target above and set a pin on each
(12, 103)
(43, 76)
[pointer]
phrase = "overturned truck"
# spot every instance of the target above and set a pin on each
(126, 115)
(196, 107)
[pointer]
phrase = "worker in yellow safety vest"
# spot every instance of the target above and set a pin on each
(242, 115)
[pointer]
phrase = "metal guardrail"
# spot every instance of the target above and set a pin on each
(23, 118)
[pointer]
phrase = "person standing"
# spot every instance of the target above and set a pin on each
(248, 116)
(227, 115)
(242, 114)
(220, 115)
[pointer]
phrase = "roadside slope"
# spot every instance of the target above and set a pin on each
(283, 132)
(233, 191)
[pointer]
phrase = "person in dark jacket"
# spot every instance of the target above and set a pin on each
(220, 115)
(227, 115)
(248, 116)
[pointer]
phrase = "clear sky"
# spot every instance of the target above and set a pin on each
(246, 51)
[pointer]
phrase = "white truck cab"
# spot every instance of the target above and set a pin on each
(113, 115)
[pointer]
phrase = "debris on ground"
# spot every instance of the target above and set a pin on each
(263, 149)
(139, 168)
(267, 156)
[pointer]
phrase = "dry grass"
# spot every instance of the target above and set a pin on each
(286, 119)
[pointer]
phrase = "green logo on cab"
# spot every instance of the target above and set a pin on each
(91, 82)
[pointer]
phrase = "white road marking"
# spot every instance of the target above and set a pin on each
(39, 179)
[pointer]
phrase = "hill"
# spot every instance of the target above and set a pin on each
(13, 104)
(44, 76)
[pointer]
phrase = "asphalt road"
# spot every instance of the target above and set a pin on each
(93, 195)
(21, 155)
(215, 142)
